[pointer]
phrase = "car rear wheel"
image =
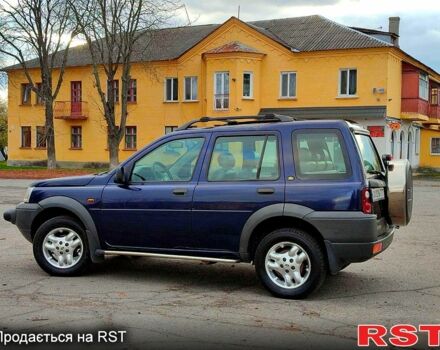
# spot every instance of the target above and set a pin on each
(60, 247)
(400, 192)
(290, 263)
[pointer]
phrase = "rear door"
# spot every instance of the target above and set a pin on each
(375, 173)
(241, 174)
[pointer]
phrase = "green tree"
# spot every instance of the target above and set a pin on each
(3, 129)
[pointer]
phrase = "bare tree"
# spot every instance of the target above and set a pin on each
(38, 34)
(116, 31)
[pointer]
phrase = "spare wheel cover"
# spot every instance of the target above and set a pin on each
(400, 192)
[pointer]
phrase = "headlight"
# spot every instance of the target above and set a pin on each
(27, 195)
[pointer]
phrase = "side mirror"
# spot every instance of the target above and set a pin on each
(121, 176)
(387, 158)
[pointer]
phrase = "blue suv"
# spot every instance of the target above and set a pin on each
(298, 199)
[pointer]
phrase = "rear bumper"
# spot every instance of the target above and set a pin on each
(23, 216)
(341, 254)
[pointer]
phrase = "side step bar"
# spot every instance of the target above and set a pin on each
(167, 256)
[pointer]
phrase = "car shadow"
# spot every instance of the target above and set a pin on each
(195, 275)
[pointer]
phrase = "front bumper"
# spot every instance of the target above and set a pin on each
(23, 216)
(341, 254)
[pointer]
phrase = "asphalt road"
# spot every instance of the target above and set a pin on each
(178, 305)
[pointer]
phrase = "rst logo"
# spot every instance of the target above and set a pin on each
(402, 335)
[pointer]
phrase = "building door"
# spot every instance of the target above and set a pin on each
(409, 154)
(393, 143)
(75, 97)
(402, 149)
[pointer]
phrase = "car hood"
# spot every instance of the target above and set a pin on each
(65, 181)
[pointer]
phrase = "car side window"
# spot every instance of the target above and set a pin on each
(241, 158)
(173, 161)
(320, 155)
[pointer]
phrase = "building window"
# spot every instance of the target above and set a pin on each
(40, 100)
(348, 82)
(423, 86)
(132, 91)
(76, 137)
(288, 84)
(248, 85)
(41, 137)
(113, 87)
(170, 128)
(26, 136)
(191, 89)
(171, 89)
(435, 145)
(434, 96)
(26, 90)
(130, 137)
(221, 90)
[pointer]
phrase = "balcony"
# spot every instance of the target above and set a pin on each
(71, 110)
(434, 115)
(415, 109)
(434, 111)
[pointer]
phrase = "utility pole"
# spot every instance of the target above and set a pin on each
(238, 15)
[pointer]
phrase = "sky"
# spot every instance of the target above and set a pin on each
(419, 26)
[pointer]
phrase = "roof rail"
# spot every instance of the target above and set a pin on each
(266, 118)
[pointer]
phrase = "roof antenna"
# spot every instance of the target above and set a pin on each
(238, 15)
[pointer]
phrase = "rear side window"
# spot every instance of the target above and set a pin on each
(320, 154)
(241, 158)
(370, 157)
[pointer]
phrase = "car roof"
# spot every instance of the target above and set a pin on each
(276, 126)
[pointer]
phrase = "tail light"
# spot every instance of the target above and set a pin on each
(377, 248)
(367, 207)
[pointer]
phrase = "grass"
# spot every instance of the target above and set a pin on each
(427, 174)
(39, 172)
(5, 166)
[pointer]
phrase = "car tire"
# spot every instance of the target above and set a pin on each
(290, 263)
(61, 248)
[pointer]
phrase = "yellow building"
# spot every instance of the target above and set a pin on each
(307, 67)
(430, 149)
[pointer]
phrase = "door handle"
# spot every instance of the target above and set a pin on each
(179, 191)
(266, 190)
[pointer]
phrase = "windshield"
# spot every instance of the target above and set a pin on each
(370, 157)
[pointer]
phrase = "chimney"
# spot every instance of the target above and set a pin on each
(393, 27)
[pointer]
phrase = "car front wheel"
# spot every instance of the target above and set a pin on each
(290, 263)
(60, 247)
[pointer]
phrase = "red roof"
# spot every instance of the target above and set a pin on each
(233, 46)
